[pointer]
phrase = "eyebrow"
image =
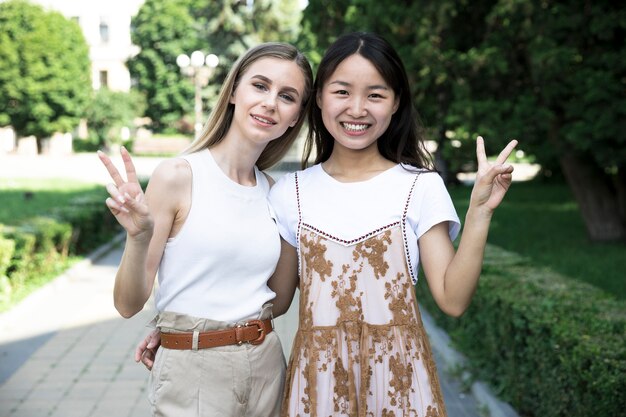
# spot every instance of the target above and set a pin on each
(267, 80)
(371, 87)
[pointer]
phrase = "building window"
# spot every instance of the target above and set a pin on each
(104, 79)
(104, 31)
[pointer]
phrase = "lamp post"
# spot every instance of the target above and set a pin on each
(199, 68)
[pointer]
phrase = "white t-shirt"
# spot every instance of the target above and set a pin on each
(349, 211)
(218, 265)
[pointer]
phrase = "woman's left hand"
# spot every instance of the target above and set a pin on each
(492, 179)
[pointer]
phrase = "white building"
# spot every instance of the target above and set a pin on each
(106, 27)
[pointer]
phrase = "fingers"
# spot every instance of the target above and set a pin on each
(115, 193)
(506, 152)
(113, 172)
(481, 156)
(147, 358)
(114, 207)
(131, 173)
(504, 171)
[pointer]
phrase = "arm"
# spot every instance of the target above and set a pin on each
(285, 279)
(453, 277)
(149, 220)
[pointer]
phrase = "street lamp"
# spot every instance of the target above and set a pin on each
(199, 68)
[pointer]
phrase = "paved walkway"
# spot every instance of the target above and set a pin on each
(65, 351)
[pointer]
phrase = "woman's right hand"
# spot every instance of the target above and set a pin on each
(147, 348)
(127, 200)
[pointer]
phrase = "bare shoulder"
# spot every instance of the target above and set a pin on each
(174, 172)
(170, 182)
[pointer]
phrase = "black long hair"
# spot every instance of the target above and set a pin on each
(403, 141)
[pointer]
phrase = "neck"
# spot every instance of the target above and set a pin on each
(237, 160)
(361, 165)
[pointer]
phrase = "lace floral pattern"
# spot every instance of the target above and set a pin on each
(361, 349)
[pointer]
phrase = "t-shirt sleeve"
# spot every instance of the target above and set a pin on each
(432, 205)
(284, 206)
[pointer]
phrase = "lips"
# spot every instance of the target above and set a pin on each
(264, 120)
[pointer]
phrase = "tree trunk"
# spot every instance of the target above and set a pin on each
(597, 199)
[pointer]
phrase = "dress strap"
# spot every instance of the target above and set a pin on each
(405, 213)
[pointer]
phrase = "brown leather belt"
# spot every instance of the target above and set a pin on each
(252, 332)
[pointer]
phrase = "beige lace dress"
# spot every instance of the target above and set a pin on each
(361, 348)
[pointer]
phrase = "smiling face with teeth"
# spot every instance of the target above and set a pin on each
(356, 104)
(267, 100)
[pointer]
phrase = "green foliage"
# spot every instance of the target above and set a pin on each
(163, 29)
(109, 111)
(44, 70)
(39, 243)
(542, 222)
(549, 345)
(7, 247)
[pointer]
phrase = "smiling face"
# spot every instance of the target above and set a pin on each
(267, 100)
(356, 104)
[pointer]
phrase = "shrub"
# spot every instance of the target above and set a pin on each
(40, 246)
(7, 247)
(548, 345)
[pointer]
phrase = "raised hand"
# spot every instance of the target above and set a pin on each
(492, 179)
(127, 200)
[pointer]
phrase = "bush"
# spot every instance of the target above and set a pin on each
(7, 247)
(40, 246)
(548, 345)
(92, 222)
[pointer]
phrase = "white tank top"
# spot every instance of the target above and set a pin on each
(218, 264)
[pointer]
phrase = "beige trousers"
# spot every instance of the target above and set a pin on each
(238, 380)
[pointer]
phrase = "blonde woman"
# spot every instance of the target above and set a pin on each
(204, 224)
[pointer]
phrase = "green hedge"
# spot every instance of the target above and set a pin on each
(548, 345)
(40, 246)
(7, 248)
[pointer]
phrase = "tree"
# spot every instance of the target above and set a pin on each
(163, 29)
(109, 111)
(45, 80)
(552, 74)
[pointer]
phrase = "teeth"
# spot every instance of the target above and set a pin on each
(355, 127)
(263, 120)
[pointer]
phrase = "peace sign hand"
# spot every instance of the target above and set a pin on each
(492, 179)
(127, 200)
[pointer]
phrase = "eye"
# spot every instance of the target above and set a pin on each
(260, 86)
(376, 96)
(341, 92)
(287, 97)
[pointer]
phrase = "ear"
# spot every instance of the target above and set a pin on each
(231, 100)
(396, 104)
(292, 124)
(318, 99)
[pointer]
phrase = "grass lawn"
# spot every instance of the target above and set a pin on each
(25, 197)
(542, 222)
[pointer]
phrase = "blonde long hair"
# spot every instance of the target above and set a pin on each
(221, 117)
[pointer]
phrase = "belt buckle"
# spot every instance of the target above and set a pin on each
(261, 337)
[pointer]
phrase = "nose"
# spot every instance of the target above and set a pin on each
(356, 107)
(270, 102)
